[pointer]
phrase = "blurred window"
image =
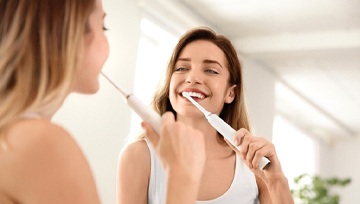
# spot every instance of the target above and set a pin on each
(295, 149)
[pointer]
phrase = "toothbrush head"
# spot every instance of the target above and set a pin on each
(186, 95)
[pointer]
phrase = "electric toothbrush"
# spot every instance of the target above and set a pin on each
(222, 127)
(145, 112)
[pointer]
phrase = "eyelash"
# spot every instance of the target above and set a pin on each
(178, 69)
(211, 71)
(105, 29)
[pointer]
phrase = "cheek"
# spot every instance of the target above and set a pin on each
(172, 90)
(220, 92)
(106, 48)
(95, 54)
(174, 87)
(98, 52)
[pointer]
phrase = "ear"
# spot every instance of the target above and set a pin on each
(230, 95)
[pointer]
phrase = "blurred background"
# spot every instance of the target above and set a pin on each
(301, 62)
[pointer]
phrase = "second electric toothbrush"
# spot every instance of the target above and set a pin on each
(145, 112)
(222, 127)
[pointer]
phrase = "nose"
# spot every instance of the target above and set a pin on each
(194, 77)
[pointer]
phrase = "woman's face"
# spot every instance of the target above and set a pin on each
(96, 51)
(201, 70)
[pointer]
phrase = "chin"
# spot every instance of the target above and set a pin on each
(88, 90)
(189, 113)
(93, 90)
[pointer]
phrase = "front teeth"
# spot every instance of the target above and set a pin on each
(196, 94)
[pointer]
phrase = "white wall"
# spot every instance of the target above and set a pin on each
(100, 123)
(260, 97)
(342, 159)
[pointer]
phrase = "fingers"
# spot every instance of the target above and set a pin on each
(168, 119)
(241, 143)
(255, 153)
(167, 123)
(176, 146)
(239, 136)
(250, 148)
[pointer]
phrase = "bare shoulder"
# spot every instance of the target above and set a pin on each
(133, 173)
(35, 137)
(44, 164)
(135, 155)
(27, 133)
(136, 150)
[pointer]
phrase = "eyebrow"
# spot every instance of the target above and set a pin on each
(212, 62)
(207, 61)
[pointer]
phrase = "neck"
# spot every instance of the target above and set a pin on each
(45, 111)
(37, 115)
(31, 115)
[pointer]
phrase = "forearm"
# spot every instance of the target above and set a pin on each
(279, 191)
(182, 188)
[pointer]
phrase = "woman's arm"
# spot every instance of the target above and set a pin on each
(133, 174)
(276, 191)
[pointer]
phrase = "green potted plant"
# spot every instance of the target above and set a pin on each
(314, 189)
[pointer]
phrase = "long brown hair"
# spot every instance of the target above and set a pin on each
(41, 42)
(235, 113)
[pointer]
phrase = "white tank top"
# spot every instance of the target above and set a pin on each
(243, 189)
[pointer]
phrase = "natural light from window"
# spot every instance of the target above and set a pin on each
(295, 149)
(155, 49)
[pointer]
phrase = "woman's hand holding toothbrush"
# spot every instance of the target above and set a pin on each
(253, 148)
(181, 150)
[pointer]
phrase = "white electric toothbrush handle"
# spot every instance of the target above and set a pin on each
(145, 112)
(228, 132)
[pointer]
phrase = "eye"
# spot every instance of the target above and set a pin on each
(179, 69)
(211, 71)
(103, 24)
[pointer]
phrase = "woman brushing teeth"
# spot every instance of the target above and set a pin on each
(205, 65)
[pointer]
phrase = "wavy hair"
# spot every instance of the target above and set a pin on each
(41, 42)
